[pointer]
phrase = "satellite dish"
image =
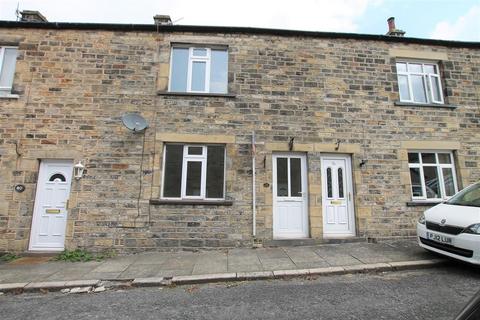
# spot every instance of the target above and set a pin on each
(134, 122)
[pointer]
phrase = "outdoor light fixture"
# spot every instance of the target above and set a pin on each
(363, 162)
(78, 170)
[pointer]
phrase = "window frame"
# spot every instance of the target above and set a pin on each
(193, 158)
(426, 79)
(191, 59)
(439, 167)
(7, 90)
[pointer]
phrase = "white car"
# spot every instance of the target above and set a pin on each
(452, 228)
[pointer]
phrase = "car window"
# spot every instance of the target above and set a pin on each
(468, 197)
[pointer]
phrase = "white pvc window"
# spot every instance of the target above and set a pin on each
(194, 172)
(432, 175)
(8, 59)
(197, 69)
(419, 82)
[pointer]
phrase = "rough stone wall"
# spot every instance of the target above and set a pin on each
(74, 85)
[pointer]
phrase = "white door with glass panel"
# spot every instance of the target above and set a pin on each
(290, 196)
(337, 195)
(50, 210)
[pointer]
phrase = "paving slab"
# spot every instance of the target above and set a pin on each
(271, 253)
(278, 264)
(151, 258)
(211, 262)
(173, 272)
(367, 253)
(140, 270)
(335, 256)
(245, 267)
(112, 266)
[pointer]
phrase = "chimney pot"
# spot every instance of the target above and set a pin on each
(32, 16)
(392, 29)
(162, 20)
(391, 24)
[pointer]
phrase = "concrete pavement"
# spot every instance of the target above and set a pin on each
(219, 265)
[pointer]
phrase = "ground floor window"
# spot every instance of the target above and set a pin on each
(194, 171)
(432, 175)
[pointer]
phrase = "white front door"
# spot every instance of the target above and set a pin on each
(337, 196)
(50, 210)
(290, 196)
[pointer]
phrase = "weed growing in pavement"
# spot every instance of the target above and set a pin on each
(8, 256)
(80, 255)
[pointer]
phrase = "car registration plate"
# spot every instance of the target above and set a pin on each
(439, 238)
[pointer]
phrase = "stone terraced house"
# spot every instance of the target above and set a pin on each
(354, 135)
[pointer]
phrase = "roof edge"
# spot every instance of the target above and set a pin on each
(221, 29)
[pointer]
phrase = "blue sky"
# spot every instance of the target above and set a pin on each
(440, 19)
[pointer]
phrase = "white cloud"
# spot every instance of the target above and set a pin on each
(466, 27)
(316, 15)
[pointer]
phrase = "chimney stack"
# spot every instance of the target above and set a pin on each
(32, 16)
(162, 20)
(392, 30)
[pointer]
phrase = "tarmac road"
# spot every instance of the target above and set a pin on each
(421, 294)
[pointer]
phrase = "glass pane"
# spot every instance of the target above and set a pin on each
(282, 177)
(415, 67)
(194, 178)
(195, 150)
(444, 158)
(436, 89)
(431, 182)
(172, 181)
(58, 177)
(215, 171)
(179, 67)
(8, 67)
(401, 67)
(428, 68)
(329, 183)
(341, 192)
(418, 89)
(219, 71)
(200, 52)
(428, 158)
(413, 158)
(448, 182)
(198, 75)
(403, 88)
(416, 182)
(295, 177)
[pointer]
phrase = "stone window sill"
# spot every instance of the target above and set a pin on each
(423, 203)
(195, 94)
(191, 202)
(436, 105)
(9, 96)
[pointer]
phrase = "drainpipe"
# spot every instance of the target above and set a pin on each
(254, 195)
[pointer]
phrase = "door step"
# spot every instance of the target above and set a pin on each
(309, 242)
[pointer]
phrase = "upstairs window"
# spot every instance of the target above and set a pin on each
(198, 69)
(194, 171)
(8, 58)
(432, 175)
(419, 82)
